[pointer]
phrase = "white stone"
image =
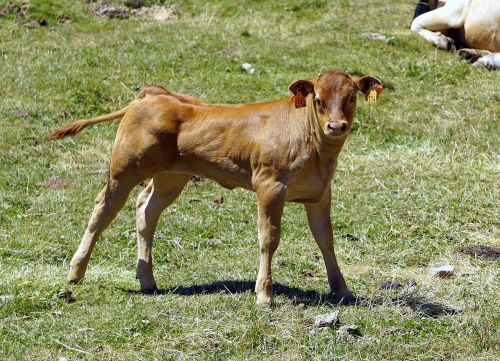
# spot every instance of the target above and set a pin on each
(445, 271)
(248, 68)
(328, 320)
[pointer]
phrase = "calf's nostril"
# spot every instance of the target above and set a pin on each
(343, 127)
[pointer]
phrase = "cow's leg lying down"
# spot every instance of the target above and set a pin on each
(429, 24)
(481, 58)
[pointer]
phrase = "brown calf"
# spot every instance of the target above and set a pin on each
(283, 150)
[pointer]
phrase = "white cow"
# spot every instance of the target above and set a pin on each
(474, 23)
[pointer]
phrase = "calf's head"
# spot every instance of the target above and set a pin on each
(333, 98)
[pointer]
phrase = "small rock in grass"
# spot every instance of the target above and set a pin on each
(329, 320)
(248, 68)
(445, 271)
(62, 359)
(348, 332)
(389, 285)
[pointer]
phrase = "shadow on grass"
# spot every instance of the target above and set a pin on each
(296, 295)
(418, 303)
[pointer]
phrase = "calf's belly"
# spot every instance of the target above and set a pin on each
(225, 172)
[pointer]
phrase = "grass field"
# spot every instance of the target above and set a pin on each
(417, 180)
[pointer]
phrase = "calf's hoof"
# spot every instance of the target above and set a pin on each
(150, 290)
(74, 276)
(344, 297)
(264, 301)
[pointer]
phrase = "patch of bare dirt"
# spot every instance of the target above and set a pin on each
(487, 252)
(67, 296)
(311, 273)
(124, 12)
(58, 182)
(427, 308)
(350, 237)
(18, 112)
(20, 11)
(17, 9)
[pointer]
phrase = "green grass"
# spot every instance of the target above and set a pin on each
(416, 181)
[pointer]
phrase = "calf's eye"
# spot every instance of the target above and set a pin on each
(352, 99)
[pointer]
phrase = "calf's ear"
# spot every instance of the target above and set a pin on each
(368, 83)
(300, 89)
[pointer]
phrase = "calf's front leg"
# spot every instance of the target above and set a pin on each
(318, 216)
(271, 199)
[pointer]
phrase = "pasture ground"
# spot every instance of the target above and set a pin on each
(417, 180)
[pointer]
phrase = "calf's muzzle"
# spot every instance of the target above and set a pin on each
(337, 128)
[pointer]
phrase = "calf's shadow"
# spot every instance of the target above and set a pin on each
(296, 295)
(418, 303)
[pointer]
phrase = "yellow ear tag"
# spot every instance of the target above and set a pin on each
(372, 96)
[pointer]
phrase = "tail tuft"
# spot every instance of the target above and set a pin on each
(68, 129)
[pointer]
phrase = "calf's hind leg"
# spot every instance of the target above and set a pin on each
(108, 203)
(159, 194)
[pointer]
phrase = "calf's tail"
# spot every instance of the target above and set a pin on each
(79, 125)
